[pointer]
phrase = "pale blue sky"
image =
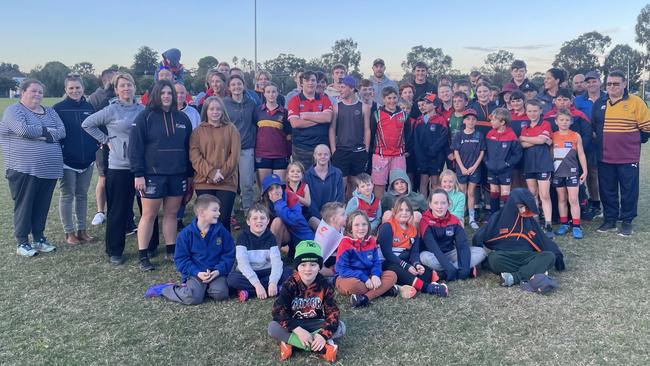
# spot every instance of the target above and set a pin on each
(108, 32)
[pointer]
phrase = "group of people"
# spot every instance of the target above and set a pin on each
(366, 185)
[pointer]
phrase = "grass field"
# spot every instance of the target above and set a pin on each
(72, 308)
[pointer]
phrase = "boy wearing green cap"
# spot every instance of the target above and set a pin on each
(305, 314)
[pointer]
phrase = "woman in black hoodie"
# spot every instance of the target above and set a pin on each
(519, 247)
(159, 157)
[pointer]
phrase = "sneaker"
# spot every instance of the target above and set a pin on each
(116, 260)
(392, 292)
(626, 229)
(577, 232)
(507, 279)
(330, 352)
(607, 226)
(562, 230)
(473, 225)
(26, 250)
(549, 232)
(243, 296)
(145, 265)
(437, 289)
(168, 257)
(285, 351)
(596, 211)
(131, 229)
(359, 300)
(99, 218)
(43, 246)
(234, 225)
(156, 290)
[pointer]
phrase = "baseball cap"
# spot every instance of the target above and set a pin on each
(528, 87)
(350, 81)
(308, 251)
(270, 180)
(539, 283)
(470, 112)
(592, 75)
(509, 88)
(378, 61)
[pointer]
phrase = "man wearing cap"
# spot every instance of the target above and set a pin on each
(622, 123)
(380, 80)
(578, 84)
(349, 133)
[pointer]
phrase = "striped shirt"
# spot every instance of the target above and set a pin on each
(23, 146)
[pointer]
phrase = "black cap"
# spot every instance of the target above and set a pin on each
(378, 61)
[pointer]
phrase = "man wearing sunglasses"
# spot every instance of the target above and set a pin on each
(621, 122)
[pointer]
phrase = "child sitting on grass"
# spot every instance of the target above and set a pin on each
(305, 314)
(358, 265)
(329, 233)
(446, 247)
(365, 200)
(400, 245)
(259, 266)
(204, 255)
(520, 250)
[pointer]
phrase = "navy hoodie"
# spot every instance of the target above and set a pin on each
(431, 142)
(194, 253)
(159, 144)
(509, 230)
(78, 146)
(503, 150)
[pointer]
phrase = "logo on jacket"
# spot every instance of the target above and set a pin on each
(449, 231)
(218, 241)
(178, 125)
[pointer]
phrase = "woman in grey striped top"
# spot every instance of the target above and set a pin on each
(30, 135)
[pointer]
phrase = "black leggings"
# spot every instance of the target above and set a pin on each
(227, 200)
(404, 277)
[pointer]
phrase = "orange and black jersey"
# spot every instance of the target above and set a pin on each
(299, 304)
(565, 154)
(399, 245)
(580, 124)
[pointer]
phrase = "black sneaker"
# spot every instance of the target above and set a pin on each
(359, 300)
(607, 226)
(116, 260)
(626, 229)
(393, 292)
(131, 229)
(596, 211)
(145, 265)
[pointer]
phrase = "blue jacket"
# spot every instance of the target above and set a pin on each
(323, 191)
(294, 220)
(585, 105)
(195, 254)
(78, 146)
(358, 258)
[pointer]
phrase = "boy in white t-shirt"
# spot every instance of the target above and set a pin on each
(329, 234)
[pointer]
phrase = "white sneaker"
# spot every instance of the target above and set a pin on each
(473, 225)
(43, 246)
(99, 218)
(26, 250)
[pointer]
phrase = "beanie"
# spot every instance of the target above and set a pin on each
(308, 251)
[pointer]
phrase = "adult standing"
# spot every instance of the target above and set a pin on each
(338, 73)
(30, 135)
(552, 80)
(117, 120)
(79, 150)
(242, 111)
(349, 133)
(578, 84)
(420, 82)
(215, 83)
(100, 99)
(310, 115)
(159, 159)
(380, 80)
(621, 122)
(195, 118)
(214, 152)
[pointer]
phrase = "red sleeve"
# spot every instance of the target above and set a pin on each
(547, 130)
(327, 103)
(294, 107)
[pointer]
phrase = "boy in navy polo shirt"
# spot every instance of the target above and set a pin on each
(503, 152)
(310, 115)
(536, 139)
(469, 149)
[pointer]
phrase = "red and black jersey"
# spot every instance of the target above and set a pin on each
(538, 158)
(391, 131)
(298, 304)
(503, 150)
(442, 235)
(518, 121)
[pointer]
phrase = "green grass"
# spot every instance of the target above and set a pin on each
(6, 102)
(72, 308)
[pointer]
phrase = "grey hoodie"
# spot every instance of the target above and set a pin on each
(417, 200)
(118, 119)
(244, 116)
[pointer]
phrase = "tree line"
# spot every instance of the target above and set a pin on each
(589, 51)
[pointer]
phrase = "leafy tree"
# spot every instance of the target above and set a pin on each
(83, 68)
(282, 69)
(581, 54)
(345, 52)
(497, 66)
(438, 62)
(10, 70)
(91, 83)
(620, 57)
(145, 61)
(120, 68)
(143, 84)
(643, 28)
(7, 84)
(206, 63)
(52, 75)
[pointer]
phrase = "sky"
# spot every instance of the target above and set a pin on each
(110, 32)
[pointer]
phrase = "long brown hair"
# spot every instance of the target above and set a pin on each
(206, 104)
